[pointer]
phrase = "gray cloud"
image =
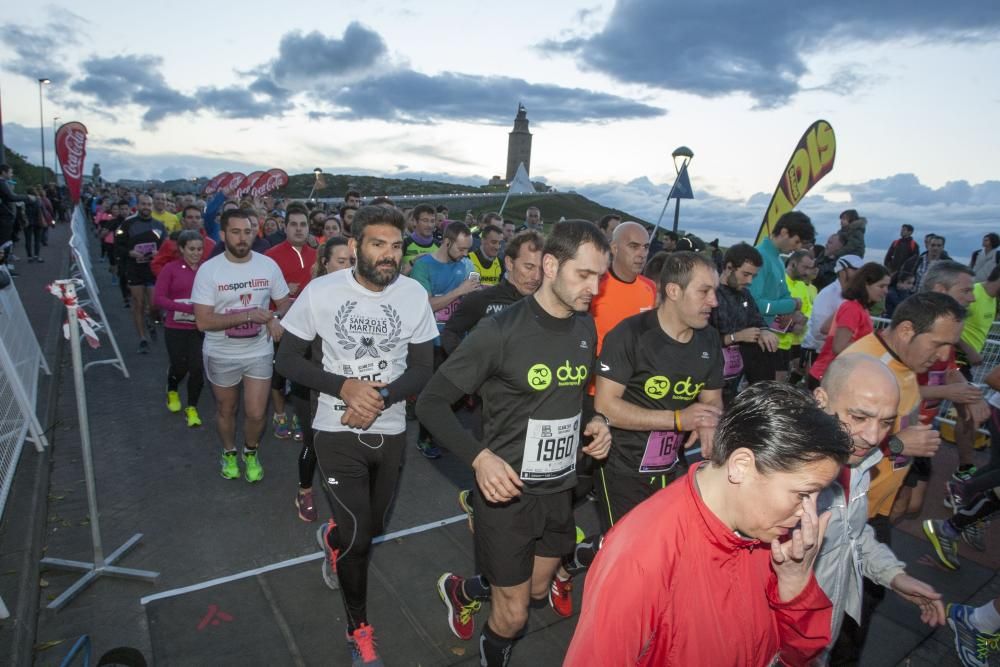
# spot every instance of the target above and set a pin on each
(118, 141)
(134, 79)
(304, 58)
(759, 48)
(36, 49)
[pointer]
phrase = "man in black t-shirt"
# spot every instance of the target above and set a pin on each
(137, 241)
(531, 365)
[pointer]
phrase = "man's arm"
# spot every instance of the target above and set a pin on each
(878, 562)
(469, 312)
(208, 320)
(419, 369)
(782, 305)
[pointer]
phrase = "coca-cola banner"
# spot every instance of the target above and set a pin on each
(244, 187)
(71, 148)
(268, 182)
(231, 182)
(213, 185)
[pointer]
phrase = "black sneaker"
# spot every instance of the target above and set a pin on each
(143, 346)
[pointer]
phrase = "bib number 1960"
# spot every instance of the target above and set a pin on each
(550, 448)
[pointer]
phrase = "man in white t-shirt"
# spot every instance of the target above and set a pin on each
(232, 293)
(376, 330)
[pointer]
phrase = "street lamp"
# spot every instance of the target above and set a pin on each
(682, 157)
(316, 174)
(41, 123)
(55, 128)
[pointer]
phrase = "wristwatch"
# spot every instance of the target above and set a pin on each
(895, 446)
(599, 415)
(384, 393)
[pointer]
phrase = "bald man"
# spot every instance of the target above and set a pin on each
(864, 394)
(623, 291)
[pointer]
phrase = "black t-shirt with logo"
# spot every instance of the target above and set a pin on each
(531, 370)
(659, 373)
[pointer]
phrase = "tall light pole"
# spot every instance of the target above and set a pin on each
(316, 174)
(682, 156)
(55, 158)
(41, 123)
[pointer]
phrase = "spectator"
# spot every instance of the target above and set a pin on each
(918, 265)
(985, 259)
(900, 287)
(901, 250)
(608, 224)
(854, 231)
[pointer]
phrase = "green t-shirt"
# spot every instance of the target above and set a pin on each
(980, 317)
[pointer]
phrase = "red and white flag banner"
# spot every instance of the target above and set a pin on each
(71, 148)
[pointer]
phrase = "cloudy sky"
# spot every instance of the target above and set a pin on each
(911, 89)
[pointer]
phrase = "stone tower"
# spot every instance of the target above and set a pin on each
(519, 144)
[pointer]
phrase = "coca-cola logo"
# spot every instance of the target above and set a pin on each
(269, 182)
(75, 143)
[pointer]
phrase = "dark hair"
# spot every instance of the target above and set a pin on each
(783, 427)
(797, 257)
(994, 274)
(937, 237)
(798, 224)
(441, 208)
(655, 265)
(382, 201)
(671, 235)
(857, 286)
(908, 226)
(4, 168)
(740, 254)
(296, 207)
(606, 220)
(944, 273)
(567, 236)
(851, 214)
(994, 239)
(455, 229)
(422, 208)
(229, 214)
(352, 193)
(188, 208)
(901, 277)
(490, 218)
(312, 214)
(346, 207)
(923, 309)
(679, 267)
(528, 237)
(376, 215)
(324, 253)
(490, 229)
(187, 236)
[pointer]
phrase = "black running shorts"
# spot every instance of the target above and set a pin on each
(619, 493)
(509, 535)
(139, 275)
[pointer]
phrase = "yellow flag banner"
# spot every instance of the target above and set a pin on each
(811, 161)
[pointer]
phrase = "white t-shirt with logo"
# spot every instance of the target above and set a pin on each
(365, 335)
(231, 287)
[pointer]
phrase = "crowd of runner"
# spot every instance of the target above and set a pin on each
(748, 435)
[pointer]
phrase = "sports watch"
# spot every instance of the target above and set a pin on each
(895, 446)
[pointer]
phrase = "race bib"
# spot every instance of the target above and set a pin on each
(733, 361)
(661, 451)
(147, 250)
(244, 330)
(369, 370)
(550, 448)
(182, 317)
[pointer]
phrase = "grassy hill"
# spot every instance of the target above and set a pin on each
(26, 174)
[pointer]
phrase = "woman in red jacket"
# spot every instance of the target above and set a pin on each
(716, 569)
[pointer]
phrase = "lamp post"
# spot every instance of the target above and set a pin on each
(316, 174)
(55, 128)
(41, 123)
(682, 157)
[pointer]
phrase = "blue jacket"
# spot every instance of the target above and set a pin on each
(769, 288)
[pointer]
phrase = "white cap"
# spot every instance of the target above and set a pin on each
(849, 262)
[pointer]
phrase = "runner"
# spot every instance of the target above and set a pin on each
(531, 364)
(422, 240)
(184, 341)
(687, 577)
(137, 241)
(376, 329)
(231, 294)
(190, 219)
(485, 259)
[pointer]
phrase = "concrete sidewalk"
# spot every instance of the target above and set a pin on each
(270, 606)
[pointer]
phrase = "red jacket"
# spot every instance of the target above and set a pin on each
(295, 264)
(672, 585)
(168, 252)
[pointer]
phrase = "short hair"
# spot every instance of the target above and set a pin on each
(671, 235)
(490, 229)
(376, 215)
(923, 309)
(740, 254)
(455, 229)
(783, 426)
(509, 222)
(797, 224)
(441, 208)
(857, 286)
(187, 236)
(188, 208)
(994, 239)
(490, 218)
(382, 201)
(4, 168)
(606, 220)
(679, 267)
(528, 237)
(352, 193)
(346, 207)
(937, 237)
(422, 208)
(296, 207)
(798, 256)
(231, 213)
(567, 236)
(851, 214)
(654, 265)
(907, 226)
(901, 277)
(944, 273)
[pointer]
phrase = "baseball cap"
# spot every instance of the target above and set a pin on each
(849, 262)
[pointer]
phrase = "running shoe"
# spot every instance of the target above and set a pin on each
(143, 346)
(330, 561)
(193, 418)
(296, 429)
(173, 401)
(126, 304)
(304, 504)
(952, 495)
(428, 450)
(151, 327)
(363, 652)
(561, 597)
(230, 468)
(281, 428)
(465, 502)
(975, 535)
(460, 618)
(973, 647)
(960, 475)
(254, 470)
(945, 548)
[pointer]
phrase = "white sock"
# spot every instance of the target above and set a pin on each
(985, 618)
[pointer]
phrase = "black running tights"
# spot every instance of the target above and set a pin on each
(184, 350)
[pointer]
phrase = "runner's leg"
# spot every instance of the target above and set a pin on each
(226, 401)
(255, 392)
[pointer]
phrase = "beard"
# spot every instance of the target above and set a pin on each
(381, 273)
(237, 251)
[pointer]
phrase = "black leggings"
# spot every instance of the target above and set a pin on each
(184, 350)
(307, 457)
(360, 473)
(988, 476)
(32, 240)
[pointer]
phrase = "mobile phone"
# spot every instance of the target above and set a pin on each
(474, 275)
